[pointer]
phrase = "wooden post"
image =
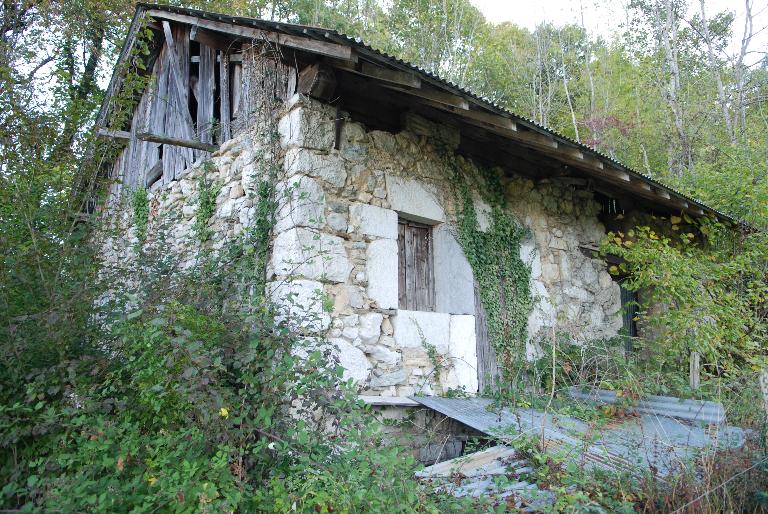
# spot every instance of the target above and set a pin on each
(695, 376)
(764, 388)
(226, 110)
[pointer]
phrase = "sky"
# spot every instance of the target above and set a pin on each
(606, 16)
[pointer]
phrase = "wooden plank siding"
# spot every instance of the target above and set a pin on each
(206, 84)
(416, 283)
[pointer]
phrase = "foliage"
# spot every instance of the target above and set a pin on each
(184, 414)
(206, 203)
(502, 276)
(712, 284)
(140, 206)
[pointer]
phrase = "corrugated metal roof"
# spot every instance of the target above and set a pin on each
(370, 52)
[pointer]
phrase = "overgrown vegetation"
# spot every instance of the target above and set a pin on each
(503, 278)
(178, 405)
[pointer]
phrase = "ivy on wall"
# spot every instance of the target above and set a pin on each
(502, 275)
(140, 207)
(206, 202)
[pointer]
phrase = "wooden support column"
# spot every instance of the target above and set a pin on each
(225, 114)
(695, 370)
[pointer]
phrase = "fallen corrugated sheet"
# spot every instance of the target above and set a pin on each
(493, 474)
(647, 442)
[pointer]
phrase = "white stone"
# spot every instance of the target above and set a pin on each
(530, 256)
(300, 304)
(389, 379)
(353, 360)
(306, 127)
(415, 328)
(305, 253)
(337, 221)
(483, 214)
(577, 293)
(350, 333)
(414, 199)
(370, 326)
(372, 221)
(355, 297)
(462, 352)
(381, 268)
(454, 282)
(383, 355)
(328, 167)
(605, 280)
(300, 203)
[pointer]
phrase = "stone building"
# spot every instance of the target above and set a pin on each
(365, 153)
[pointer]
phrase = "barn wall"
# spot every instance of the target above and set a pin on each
(334, 249)
(345, 209)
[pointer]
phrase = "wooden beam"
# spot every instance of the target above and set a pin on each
(305, 44)
(154, 174)
(173, 141)
(366, 69)
(238, 57)
(477, 117)
(432, 94)
(318, 81)
(387, 75)
(115, 134)
(211, 39)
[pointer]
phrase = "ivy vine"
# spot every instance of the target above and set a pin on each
(503, 277)
(140, 207)
(206, 202)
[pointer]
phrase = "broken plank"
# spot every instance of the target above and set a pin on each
(211, 39)
(155, 173)
(179, 84)
(205, 85)
(174, 141)
(306, 44)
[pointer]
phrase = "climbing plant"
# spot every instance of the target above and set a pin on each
(140, 206)
(502, 275)
(206, 202)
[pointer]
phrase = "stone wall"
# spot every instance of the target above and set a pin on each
(172, 243)
(334, 255)
(338, 233)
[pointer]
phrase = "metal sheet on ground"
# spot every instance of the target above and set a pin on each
(636, 445)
